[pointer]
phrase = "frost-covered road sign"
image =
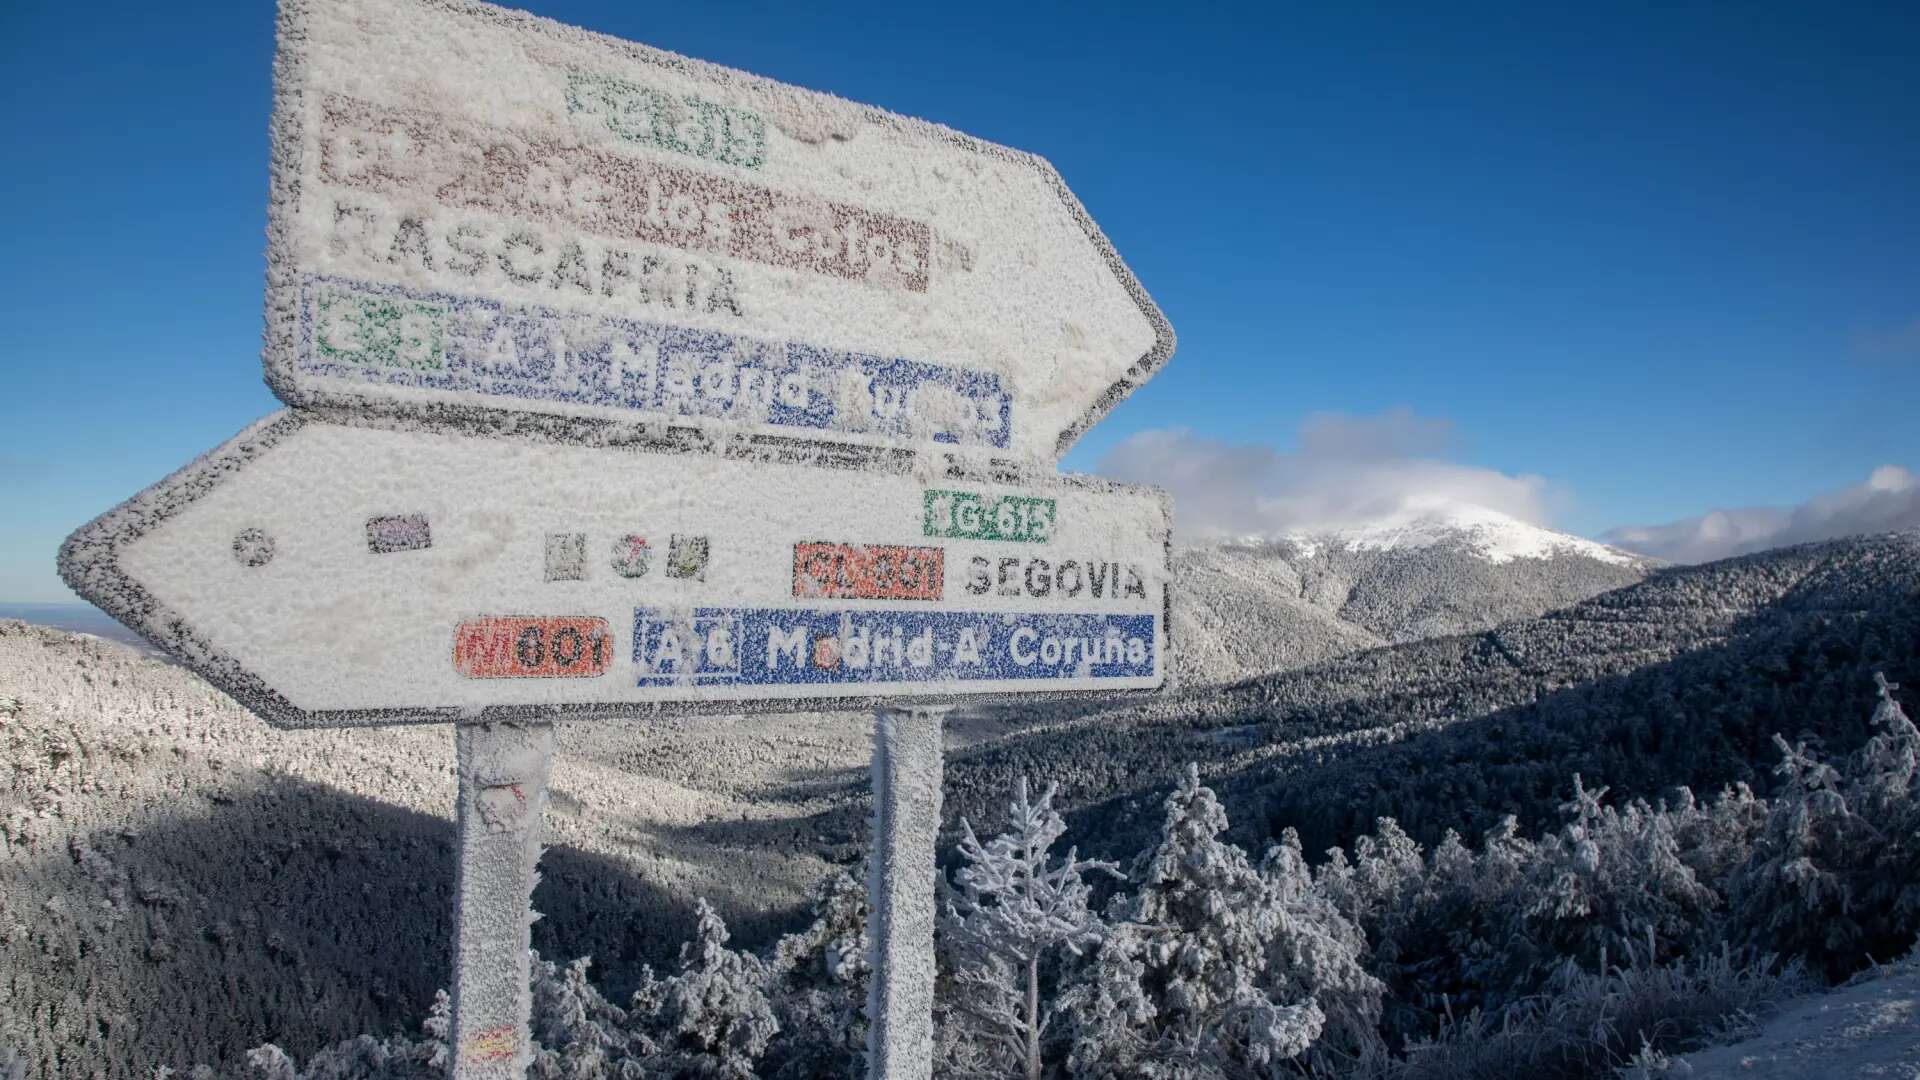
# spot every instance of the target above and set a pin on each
(478, 213)
(332, 574)
(626, 382)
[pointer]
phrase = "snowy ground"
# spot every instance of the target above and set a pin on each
(1867, 1031)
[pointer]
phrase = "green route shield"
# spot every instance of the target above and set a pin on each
(964, 515)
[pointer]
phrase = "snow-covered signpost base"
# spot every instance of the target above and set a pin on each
(503, 791)
(906, 823)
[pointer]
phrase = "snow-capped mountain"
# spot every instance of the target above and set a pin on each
(1489, 534)
(1252, 605)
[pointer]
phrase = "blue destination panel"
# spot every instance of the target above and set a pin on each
(393, 336)
(787, 647)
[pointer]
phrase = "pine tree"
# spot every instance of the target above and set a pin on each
(1314, 952)
(1012, 910)
(818, 987)
(1885, 795)
(1205, 973)
(713, 1018)
(1790, 897)
(577, 1033)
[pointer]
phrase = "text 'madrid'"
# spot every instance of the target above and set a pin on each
(797, 647)
(395, 336)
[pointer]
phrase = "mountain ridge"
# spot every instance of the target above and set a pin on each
(1250, 605)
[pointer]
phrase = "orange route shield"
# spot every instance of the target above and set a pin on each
(532, 647)
(868, 571)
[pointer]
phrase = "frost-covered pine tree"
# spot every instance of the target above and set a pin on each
(1212, 968)
(1315, 952)
(577, 1033)
(818, 988)
(1792, 897)
(1885, 795)
(1012, 910)
(712, 1019)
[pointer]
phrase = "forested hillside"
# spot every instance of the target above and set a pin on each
(167, 856)
(1681, 679)
(1598, 948)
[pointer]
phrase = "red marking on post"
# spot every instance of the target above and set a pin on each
(532, 647)
(868, 571)
(466, 165)
(490, 1044)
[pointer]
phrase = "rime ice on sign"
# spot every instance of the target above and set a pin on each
(479, 210)
(473, 576)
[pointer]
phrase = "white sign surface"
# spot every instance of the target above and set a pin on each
(478, 213)
(326, 574)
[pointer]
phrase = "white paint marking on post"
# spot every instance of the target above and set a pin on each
(503, 792)
(906, 824)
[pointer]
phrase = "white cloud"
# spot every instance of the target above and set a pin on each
(1888, 501)
(1346, 470)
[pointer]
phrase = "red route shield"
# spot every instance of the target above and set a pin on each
(868, 571)
(532, 647)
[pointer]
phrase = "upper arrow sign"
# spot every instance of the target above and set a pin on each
(483, 215)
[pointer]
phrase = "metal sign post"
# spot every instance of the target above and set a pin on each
(503, 793)
(623, 383)
(906, 825)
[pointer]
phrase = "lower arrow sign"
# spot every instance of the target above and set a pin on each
(326, 573)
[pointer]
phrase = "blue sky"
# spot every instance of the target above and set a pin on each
(1664, 260)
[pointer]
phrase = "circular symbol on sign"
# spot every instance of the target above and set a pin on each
(630, 556)
(253, 547)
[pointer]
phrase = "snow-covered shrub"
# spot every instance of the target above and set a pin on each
(1589, 1025)
(1610, 880)
(364, 1057)
(1013, 911)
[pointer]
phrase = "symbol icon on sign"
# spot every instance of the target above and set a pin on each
(566, 556)
(631, 556)
(253, 547)
(687, 557)
(398, 532)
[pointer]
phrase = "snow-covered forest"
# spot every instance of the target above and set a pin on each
(1631, 931)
